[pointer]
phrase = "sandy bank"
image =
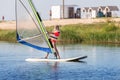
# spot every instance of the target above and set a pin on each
(8, 25)
(12, 24)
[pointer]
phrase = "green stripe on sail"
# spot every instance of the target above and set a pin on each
(40, 24)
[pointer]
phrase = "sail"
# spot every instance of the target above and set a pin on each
(29, 27)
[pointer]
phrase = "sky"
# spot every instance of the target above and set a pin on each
(7, 7)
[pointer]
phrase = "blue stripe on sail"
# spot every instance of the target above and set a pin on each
(36, 47)
(33, 46)
(18, 37)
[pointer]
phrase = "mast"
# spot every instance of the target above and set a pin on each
(40, 24)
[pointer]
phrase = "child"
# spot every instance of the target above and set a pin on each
(53, 39)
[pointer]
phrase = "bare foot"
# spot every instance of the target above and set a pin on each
(46, 57)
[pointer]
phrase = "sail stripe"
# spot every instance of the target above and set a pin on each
(36, 47)
(48, 50)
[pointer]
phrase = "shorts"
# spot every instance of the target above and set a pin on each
(53, 40)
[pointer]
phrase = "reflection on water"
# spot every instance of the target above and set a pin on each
(102, 63)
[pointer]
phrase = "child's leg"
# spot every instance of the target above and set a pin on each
(56, 50)
(55, 53)
(47, 56)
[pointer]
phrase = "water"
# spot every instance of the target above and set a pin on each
(103, 63)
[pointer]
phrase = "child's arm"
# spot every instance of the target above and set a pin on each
(50, 32)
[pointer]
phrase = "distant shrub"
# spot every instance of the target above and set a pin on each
(110, 27)
(8, 35)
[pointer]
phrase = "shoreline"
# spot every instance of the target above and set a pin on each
(12, 24)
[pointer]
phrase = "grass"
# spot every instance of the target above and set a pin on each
(106, 32)
(8, 35)
(99, 32)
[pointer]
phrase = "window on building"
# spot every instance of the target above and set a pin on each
(83, 10)
(90, 10)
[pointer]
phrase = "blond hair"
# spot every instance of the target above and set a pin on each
(56, 27)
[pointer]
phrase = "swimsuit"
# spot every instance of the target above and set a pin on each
(54, 36)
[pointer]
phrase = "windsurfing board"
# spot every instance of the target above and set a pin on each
(75, 59)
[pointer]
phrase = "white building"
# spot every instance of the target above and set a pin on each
(73, 11)
(102, 11)
(93, 12)
(111, 11)
(89, 12)
(57, 11)
(84, 12)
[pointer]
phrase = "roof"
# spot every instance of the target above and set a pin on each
(69, 5)
(113, 8)
(94, 8)
(102, 7)
(86, 8)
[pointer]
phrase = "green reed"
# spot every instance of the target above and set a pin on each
(97, 32)
(8, 35)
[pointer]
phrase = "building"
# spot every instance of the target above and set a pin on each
(73, 11)
(78, 13)
(84, 12)
(101, 11)
(110, 11)
(106, 11)
(69, 11)
(88, 12)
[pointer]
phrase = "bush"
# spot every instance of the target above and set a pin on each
(110, 27)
